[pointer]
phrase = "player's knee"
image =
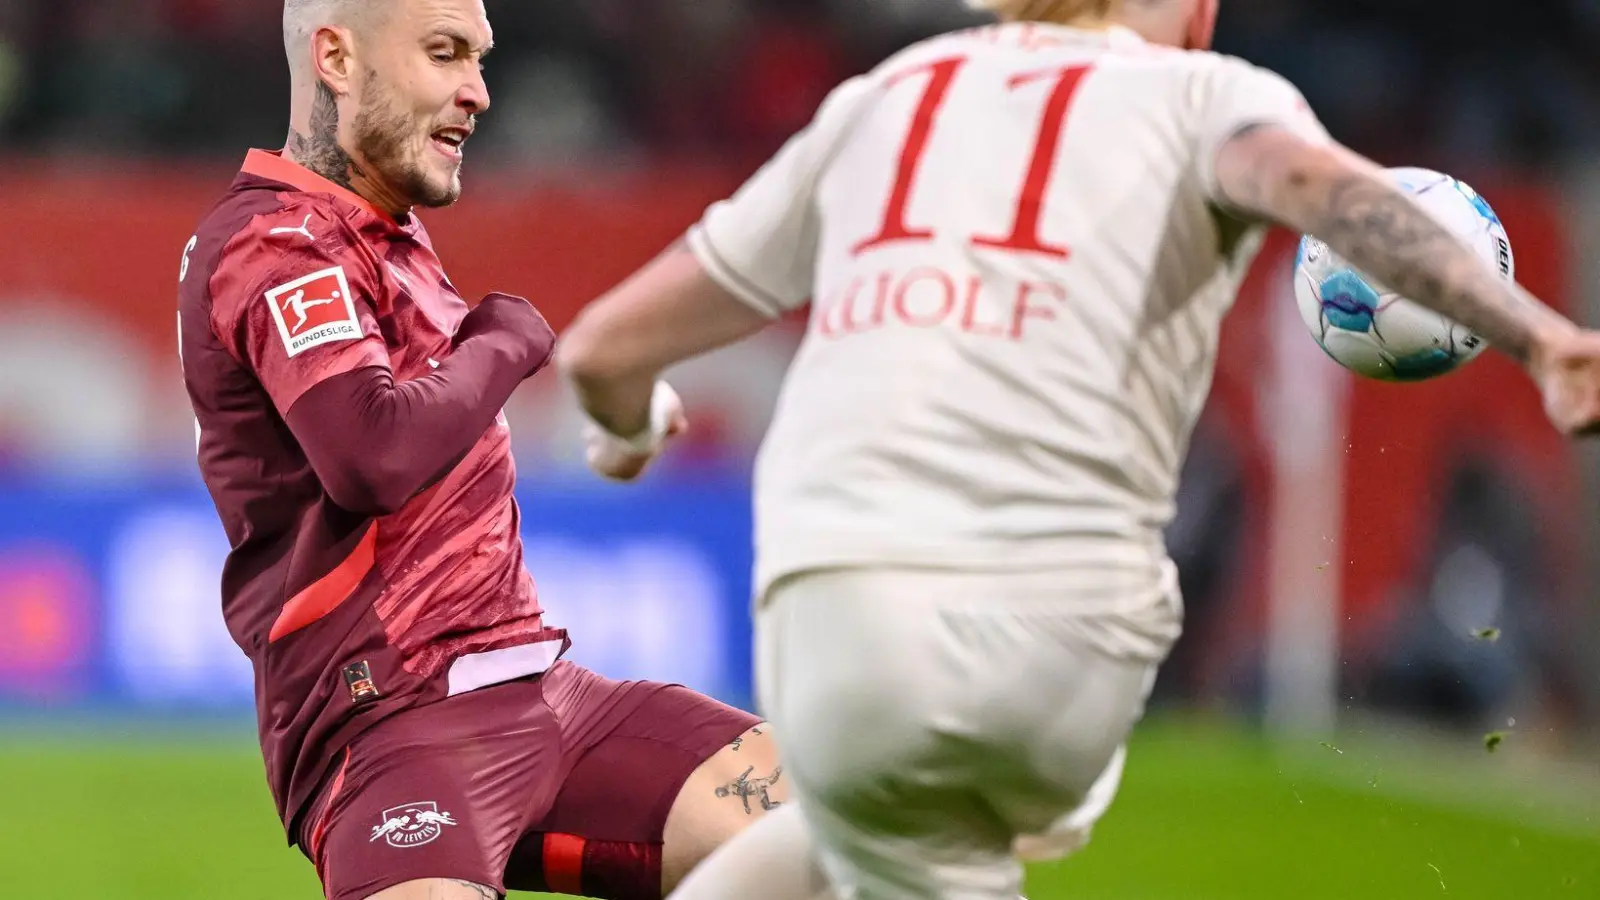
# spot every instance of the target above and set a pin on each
(729, 792)
(437, 889)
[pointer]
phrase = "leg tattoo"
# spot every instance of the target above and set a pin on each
(744, 787)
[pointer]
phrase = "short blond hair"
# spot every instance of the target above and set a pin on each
(302, 18)
(1048, 10)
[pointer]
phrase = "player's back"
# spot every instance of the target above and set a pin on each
(1019, 278)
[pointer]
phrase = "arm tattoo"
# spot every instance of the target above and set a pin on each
(1380, 230)
(320, 151)
(487, 893)
(744, 787)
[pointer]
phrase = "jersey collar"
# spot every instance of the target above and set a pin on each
(1114, 35)
(271, 165)
(1123, 37)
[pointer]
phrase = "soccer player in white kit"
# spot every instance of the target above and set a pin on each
(1019, 244)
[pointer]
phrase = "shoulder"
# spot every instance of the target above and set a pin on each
(1223, 70)
(292, 226)
(1206, 84)
(294, 235)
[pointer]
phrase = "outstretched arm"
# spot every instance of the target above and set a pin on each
(749, 260)
(668, 312)
(1347, 201)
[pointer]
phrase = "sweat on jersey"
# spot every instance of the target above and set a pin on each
(1018, 270)
(350, 433)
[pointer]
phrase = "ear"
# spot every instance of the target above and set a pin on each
(1202, 25)
(332, 58)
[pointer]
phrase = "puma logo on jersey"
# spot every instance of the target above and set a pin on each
(303, 228)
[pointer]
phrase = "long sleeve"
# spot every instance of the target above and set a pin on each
(375, 444)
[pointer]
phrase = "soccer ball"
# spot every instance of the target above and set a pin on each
(1372, 331)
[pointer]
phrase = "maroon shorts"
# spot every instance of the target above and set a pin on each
(561, 783)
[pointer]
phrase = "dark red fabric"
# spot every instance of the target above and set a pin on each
(659, 745)
(622, 870)
(506, 764)
(423, 456)
(619, 792)
(375, 444)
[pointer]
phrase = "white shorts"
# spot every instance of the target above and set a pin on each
(931, 720)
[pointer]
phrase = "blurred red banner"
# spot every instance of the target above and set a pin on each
(112, 241)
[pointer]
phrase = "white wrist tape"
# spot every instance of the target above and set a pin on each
(664, 405)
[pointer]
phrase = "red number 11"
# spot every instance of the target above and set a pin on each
(1024, 236)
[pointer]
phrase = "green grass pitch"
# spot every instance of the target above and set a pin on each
(1207, 814)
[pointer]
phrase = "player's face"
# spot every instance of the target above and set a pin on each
(420, 98)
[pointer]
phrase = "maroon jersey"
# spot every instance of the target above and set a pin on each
(351, 437)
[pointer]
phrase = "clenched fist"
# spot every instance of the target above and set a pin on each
(1567, 369)
(625, 459)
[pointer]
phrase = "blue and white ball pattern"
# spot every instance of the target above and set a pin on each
(1372, 331)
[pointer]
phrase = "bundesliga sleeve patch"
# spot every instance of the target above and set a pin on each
(315, 310)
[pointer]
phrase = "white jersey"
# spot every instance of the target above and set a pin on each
(1019, 274)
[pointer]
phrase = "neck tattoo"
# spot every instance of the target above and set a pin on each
(320, 151)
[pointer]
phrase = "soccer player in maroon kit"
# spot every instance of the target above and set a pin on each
(423, 737)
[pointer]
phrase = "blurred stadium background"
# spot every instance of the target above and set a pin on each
(1382, 581)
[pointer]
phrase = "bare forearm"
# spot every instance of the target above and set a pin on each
(1352, 206)
(619, 404)
(668, 312)
(1381, 231)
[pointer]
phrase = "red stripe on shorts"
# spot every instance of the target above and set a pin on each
(319, 833)
(563, 863)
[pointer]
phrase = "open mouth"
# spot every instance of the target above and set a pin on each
(450, 141)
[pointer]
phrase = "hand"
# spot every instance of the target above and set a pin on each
(1566, 366)
(515, 318)
(616, 459)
